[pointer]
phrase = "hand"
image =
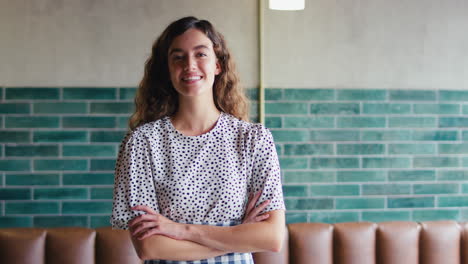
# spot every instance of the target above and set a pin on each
(252, 214)
(153, 223)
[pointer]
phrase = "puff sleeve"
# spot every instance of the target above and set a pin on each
(266, 175)
(134, 181)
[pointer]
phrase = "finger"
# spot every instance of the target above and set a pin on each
(142, 227)
(144, 208)
(146, 217)
(260, 208)
(250, 204)
(148, 233)
(262, 217)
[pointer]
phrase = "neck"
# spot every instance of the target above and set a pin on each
(195, 118)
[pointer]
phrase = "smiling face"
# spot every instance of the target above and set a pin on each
(193, 64)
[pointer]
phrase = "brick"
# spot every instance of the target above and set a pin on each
(335, 108)
(29, 93)
(360, 176)
(112, 108)
(122, 121)
(452, 175)
(15, 165)
(413, 149)
(309, 94)
(108, 136)
(77, 93)
(273, 122)
(102, 193)
(438, 188)
(320, 163)
(465, 188)
(15, 221)
(60, 165)
(103, 164)
(31, 208)
(453, 122)
(465, 135)
(59, 136)
(434, 135)
(89, 150)
(15, 194)
(31, 150)
(60, 108)
(295, 191)
(452, 201)
(453, 148)
(290, 135)
(293, 163)
(86, 207)
(127, 93)
(308, 176)
(88, 178)
(31, 122)
(334, 135)
(410, 202)
(88, 122)
(308, 203)
(388, 135)
(32, 179)
(435, 215)
(360, 149)
(386, 162)
(362, 95)
(99, 221)
(334, 190)
(453, 95)
(385, 216)
(296, 218)
(360, 203)
(435, 162)
(14, 136)
(383, 108)
(273, 94)
(334, 217)
(252, 94)
(309, 122)
(437, 109)
(60, 193)
(411, 175)
(308, 149)
(405, 95)
(60, 221)
(386, 189)
(416, 122)
(360, 122)
(14, 108)
(286, 108)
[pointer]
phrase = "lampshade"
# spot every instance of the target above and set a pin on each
(287, 4)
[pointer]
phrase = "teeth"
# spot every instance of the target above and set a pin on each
(192, 78)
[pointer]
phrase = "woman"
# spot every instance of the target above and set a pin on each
(185, 170)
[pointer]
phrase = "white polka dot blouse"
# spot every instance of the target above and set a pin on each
(196, 179)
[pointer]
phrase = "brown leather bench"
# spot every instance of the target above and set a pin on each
(442, 242)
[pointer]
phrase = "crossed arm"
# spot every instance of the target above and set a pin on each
(156, 237)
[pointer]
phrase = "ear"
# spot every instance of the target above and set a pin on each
(218, 68)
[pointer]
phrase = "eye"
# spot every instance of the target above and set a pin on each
(201, 54)
(177, 57)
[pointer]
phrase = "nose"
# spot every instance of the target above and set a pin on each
(189, 63)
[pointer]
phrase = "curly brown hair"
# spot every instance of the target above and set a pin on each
(156, 96)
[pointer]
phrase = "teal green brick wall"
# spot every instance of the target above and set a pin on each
(345, 154)
(372, 155)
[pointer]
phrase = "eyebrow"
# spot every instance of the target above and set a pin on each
(196, 48)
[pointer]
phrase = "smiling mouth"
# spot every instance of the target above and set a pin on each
(191, 78)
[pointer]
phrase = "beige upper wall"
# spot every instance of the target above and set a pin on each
(418, 44)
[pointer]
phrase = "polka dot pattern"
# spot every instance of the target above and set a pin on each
(205, 178)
